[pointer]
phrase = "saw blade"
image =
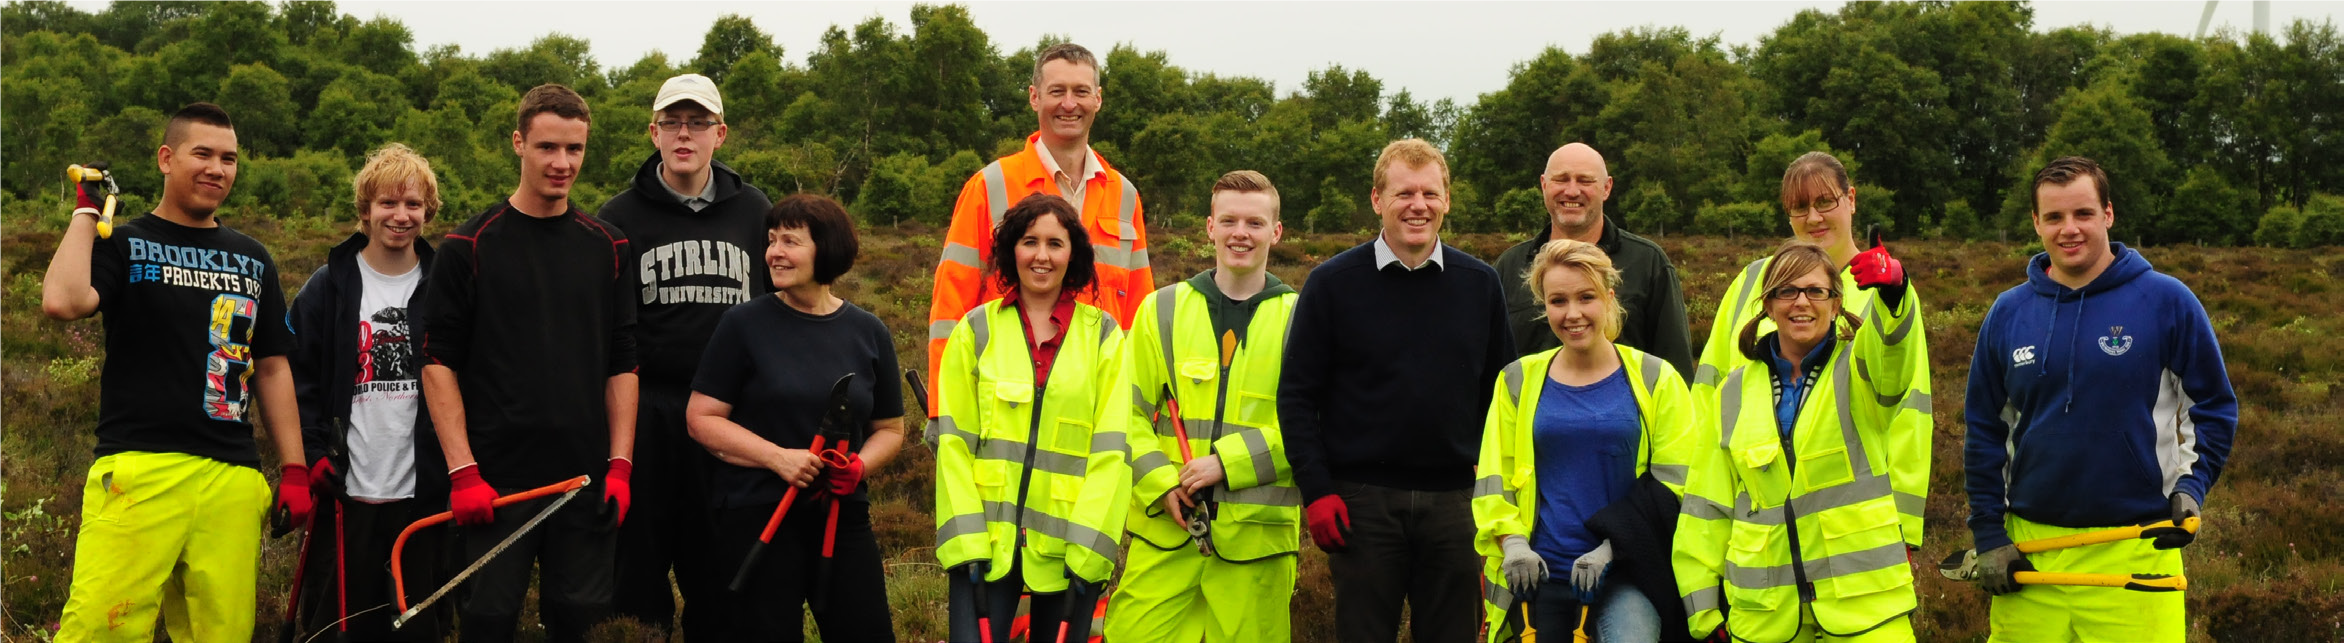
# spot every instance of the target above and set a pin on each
(396, 623)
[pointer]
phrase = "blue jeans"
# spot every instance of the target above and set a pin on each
(1622, 613)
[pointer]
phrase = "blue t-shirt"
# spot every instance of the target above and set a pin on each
(1586, 438)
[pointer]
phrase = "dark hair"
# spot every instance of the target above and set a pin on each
(1080, 269)
(552, 98)
(832, 231)
(2066, 170)
(1068, 52)
(205, 113)
(1792, 260)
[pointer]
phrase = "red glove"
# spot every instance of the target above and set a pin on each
(843, 471)
(473, 502)
(616, 495)
(1874, 268)
(324, 480)
(1719, 636)
(1330, 522)
(82, 199)
(293, 500)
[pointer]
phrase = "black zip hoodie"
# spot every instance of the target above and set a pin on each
(692, 266)
(324, 317)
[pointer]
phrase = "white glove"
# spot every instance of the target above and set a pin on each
(1587, 572)
(1524, 568)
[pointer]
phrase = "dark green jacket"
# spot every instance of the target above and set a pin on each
(1650, 295)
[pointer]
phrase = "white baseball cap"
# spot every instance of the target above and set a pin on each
(691, 87)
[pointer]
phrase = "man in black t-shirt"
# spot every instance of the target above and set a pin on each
(529, 373)
(698, 234)
(194, 330)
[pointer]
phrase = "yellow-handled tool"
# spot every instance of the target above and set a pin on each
(96, 173)
(1963, 566)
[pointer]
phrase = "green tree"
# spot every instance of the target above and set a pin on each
(261, 102)
(2205, 209)
(2105, 123)
(2277, 226)
(1177, 146)
(732, 38)
(354, 112)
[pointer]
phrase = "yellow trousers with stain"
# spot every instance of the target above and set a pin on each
(166, 533)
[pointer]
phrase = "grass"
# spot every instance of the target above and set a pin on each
(2268, 566)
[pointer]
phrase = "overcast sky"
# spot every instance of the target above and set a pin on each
(1455, 50)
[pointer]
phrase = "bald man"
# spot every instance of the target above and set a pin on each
(1575, 185)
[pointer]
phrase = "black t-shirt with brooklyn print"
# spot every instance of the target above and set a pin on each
(188, 313)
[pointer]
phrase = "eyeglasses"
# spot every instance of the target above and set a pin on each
(1825, 203)
(670, 126)
(1815, 293)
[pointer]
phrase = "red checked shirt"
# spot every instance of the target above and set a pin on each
(1045, 352)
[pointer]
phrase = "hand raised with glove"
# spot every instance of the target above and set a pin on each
(1524, 568)
(1330, 523)
(1874, 268)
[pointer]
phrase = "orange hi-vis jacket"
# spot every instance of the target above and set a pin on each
(1110, 213)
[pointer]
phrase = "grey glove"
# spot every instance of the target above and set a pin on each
(1524, 568)
(1587, 572)
(2184, 508)
(1998, 569)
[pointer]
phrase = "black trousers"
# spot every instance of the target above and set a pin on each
(571, 552)
(667, 526)
(772, 605)
(1412, 547)
(1043, 614)
(364, 533)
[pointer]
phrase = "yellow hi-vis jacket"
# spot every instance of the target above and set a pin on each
(1770, 523)
(1908, 460)
(1012, 458)
(1505, 494)
(1173, 349)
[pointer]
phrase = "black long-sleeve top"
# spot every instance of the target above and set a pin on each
(534, 316)
(1388, 372)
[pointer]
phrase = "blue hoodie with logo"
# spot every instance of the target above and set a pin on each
(2090, 407)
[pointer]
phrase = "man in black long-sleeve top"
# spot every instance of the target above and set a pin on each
(530, 377)
(1393, 349)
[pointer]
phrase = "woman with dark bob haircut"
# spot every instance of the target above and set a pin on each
(1023, 504)
(759, 400)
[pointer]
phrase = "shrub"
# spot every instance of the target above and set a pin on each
(2277, 228)
(1738, 218)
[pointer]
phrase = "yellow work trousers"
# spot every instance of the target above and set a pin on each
(171, 533)
(1181, 595)
(2064, 613)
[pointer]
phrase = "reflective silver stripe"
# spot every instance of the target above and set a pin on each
(1266, 495)
(1129, 207)
(955, 252)
(1513, 375)
(1117, 256)
(1167, 301)
(1703, 508)
(940, 329)
(1109, 441)
(961, 525)
(1818, 569)
(1139, 400)
(1858, 464)
(1107, 328)
(1000, 511)
(1139, 257)
(1494, 593)
(1903, 327)
(1073, 533)
(944, 425)
(1814, 503)
(1669, 473)
(1491, 485)
(1148, 462)
(1919, 401)
(1729, 403)
(982, 329)
(1750, 278)
(1704, 599)
(1885, 398)
(1044, 459)
(1909, 504)
(1705, 375)
(1652, 366)
(1257, 449)
(996, 195)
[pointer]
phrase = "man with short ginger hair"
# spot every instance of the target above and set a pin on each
(2049, 456)
(1057, 159)
(1389, 361)
(529, 347)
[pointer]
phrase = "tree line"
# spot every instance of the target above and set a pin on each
(1942, 110)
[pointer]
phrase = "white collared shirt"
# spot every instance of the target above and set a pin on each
(1385, 257)
(1093, 167)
